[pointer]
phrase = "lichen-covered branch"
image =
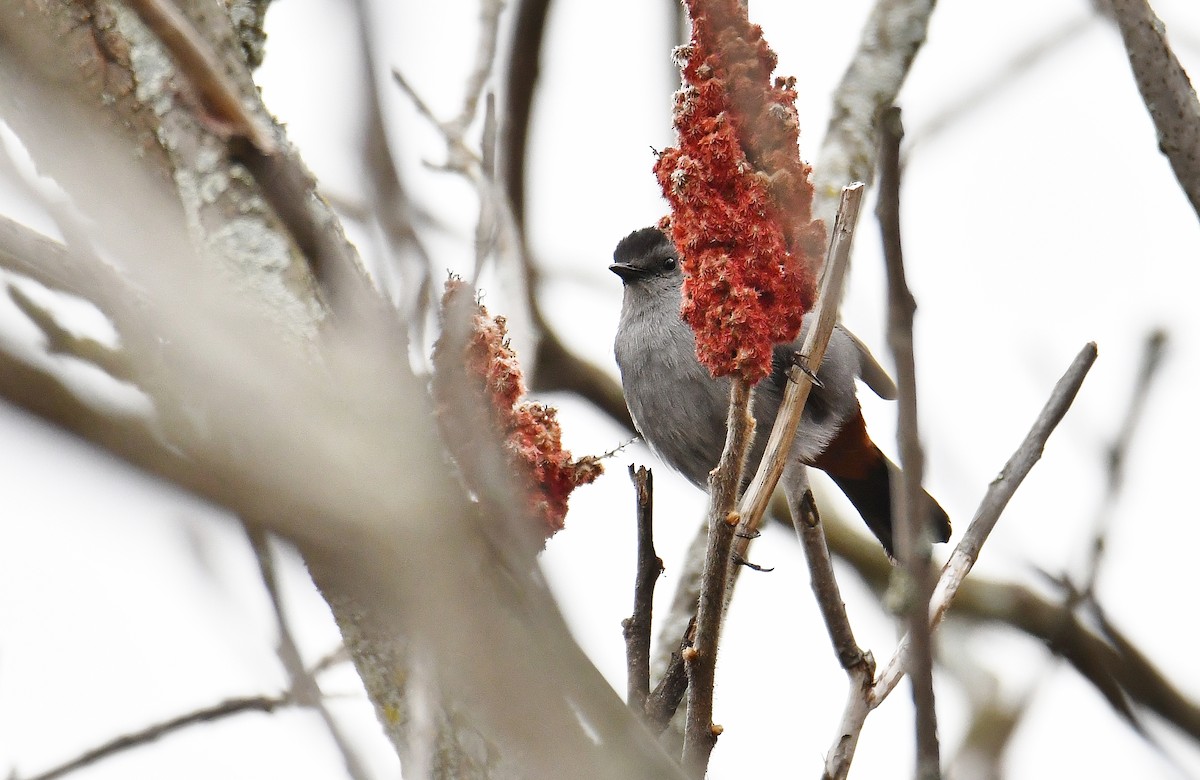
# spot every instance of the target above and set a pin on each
(890, 40)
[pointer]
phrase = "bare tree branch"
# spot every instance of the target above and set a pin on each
(1166, 91)
(520, 82)
(196, 59)
(753, 503)
(302, 683)
(682, 611)
(497, 232)
(1046, 620)
(664, 700)
(225, 709)
(26, 252)
(912, 531)
(387, 205)
(997, 497)
(890, 40)
(859, 665)
(965, 554)
(61, 341)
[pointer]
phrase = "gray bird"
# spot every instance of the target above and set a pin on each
(680, 409)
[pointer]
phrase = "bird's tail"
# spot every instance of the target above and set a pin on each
(865, 475)
(872, 497)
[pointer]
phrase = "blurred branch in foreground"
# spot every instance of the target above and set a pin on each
(327, 439)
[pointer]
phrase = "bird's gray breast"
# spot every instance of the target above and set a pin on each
(678, 407)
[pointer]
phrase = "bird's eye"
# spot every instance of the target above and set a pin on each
(669, 263)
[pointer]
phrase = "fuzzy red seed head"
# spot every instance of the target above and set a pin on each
(741, 198)
(531, 433)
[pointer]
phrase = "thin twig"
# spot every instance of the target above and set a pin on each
(700, 733)
(912, 532)
(225, 709)
(994, 501)
(807, 522)
(859, 665)
(302, 683)
(462, 158)
(197, 61)
(485, 59)
(1040, 617)
(498, 234)
(964, 556)
(81, 270)
(521, 77)
(125, 742)
(388, 206)
(649, 568)
(1166, 91)
(1152, 353)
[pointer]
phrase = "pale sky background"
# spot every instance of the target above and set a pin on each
(1042, 218)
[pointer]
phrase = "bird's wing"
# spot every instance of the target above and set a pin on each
(874, 375)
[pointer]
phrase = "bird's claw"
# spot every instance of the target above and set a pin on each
(801, 362)
(740, 561)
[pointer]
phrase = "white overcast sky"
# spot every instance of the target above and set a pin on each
(1041, 218)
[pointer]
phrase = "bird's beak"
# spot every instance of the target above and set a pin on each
(626, 271)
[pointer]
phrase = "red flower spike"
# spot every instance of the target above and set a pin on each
(531, 434)
(741, 198)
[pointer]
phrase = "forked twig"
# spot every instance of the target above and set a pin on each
(837, 763)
